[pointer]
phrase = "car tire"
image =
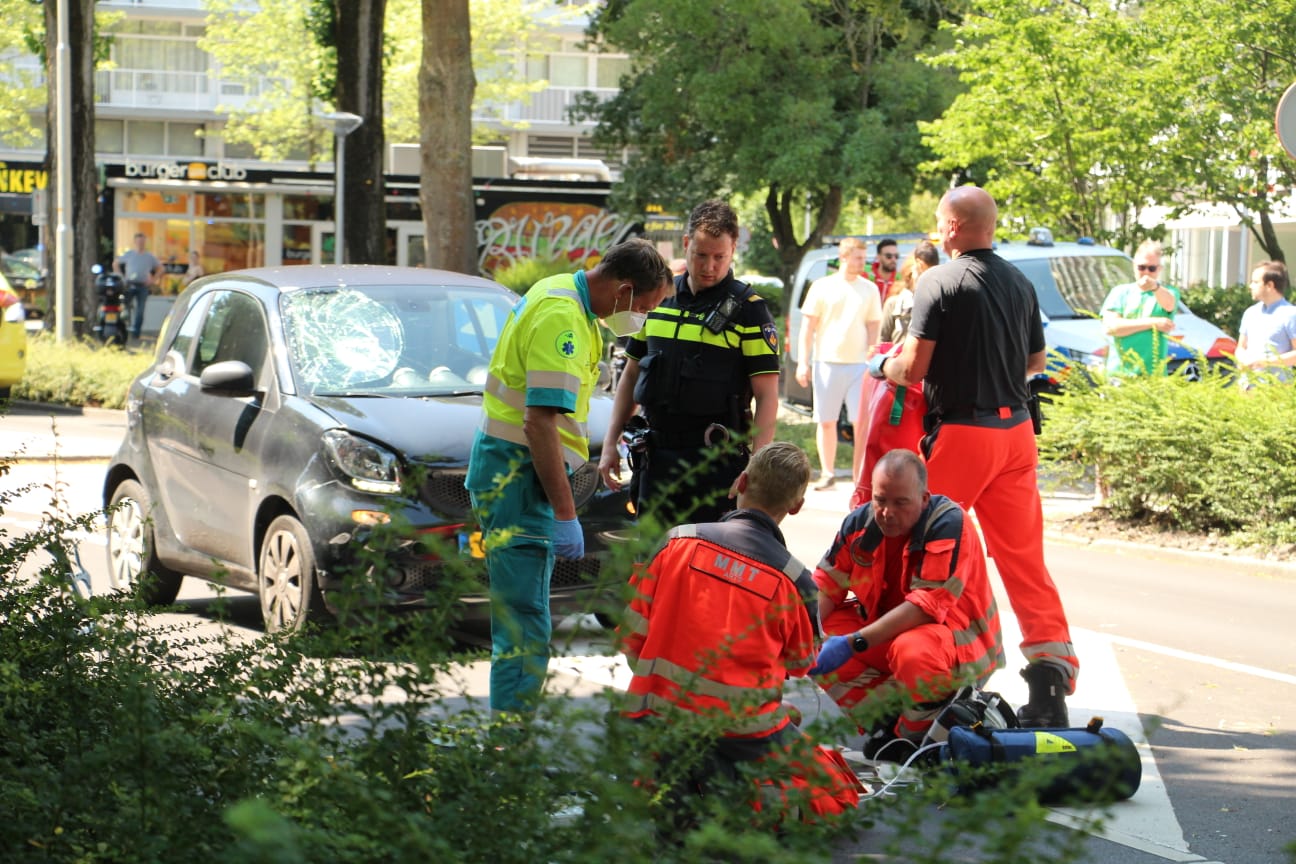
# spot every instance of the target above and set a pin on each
(133, 565)
(286, 578)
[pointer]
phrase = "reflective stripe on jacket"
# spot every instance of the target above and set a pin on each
(547, 355)
(717, 622)
(943, 572)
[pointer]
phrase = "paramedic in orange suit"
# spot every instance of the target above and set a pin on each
(974, 339)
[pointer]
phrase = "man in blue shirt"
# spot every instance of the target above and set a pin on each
(1268, 331)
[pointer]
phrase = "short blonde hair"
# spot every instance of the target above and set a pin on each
(777, 475)
(849, 244)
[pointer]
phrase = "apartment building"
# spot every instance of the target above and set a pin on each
(167, 172)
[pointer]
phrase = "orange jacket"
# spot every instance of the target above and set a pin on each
(943, 572)
(717, 623)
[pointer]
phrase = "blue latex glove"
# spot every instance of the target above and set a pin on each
(875, 366)
(836, 651)
(568, 539)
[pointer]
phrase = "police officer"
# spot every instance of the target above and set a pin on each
(695, 368)
(534, 408)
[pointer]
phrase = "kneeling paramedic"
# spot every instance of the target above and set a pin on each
(717, 621)
(922, 621)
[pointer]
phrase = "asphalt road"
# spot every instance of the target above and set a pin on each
(1192, 655)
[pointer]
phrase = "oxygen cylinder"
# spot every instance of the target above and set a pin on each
(1090, 765)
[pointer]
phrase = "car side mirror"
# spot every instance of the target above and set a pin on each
(228, 378)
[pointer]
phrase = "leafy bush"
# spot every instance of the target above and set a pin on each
(130, 739)
(1223, 307)
(78, 373)
(1203, 456)
(525, 272)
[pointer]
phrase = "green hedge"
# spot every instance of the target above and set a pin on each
(131, 739)
(78, 373)
(1223, 307)
(1204, 456)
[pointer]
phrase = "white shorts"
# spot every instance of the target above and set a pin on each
(834, 382)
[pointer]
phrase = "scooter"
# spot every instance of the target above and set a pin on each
(113, 313)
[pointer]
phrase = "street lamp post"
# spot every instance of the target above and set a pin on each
(343, 124)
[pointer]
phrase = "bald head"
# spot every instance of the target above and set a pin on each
(966, 219)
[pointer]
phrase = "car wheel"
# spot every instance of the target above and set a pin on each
(133, 565)
(1188, 369)
(286, 579)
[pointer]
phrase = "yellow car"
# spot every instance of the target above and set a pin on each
(13, 339)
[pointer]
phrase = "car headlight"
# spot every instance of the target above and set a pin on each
(371, 467)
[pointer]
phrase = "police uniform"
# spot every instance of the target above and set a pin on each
(547, 355)
(939, 568)
(696, 356)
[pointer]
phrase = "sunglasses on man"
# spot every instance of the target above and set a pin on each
(1148, 268)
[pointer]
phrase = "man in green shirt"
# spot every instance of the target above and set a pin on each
(1138, 316)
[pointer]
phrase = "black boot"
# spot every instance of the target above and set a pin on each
(1047, 706)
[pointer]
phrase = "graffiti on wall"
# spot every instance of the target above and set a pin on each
(547, 230)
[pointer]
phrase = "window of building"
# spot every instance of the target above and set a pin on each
(230, 205)
(610, 70)
(567, 70)
(110, 136)
(146, 138)
(185, 139)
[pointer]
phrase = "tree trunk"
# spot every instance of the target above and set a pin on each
(84, 218)
(446, 85)
(1268, 238)
(359, 41)
(778, 206)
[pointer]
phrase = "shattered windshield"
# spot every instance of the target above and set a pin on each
(392, 340)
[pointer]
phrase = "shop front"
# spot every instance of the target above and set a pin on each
(237, 217)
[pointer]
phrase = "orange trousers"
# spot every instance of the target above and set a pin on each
(917, 662)
(992, 471)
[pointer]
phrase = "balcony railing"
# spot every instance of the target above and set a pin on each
(159, 89)
(549, 106)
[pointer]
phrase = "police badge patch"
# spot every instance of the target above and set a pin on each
(770, 332)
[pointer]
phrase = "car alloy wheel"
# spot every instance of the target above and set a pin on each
(286, 577)
(133, 566)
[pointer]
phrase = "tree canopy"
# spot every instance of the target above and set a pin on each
(1083, 117)
(806, 103)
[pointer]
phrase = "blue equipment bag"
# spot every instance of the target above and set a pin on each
(1089, 765)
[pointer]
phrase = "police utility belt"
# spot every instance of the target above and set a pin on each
(714, 435)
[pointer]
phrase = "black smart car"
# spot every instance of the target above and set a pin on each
(290, 411)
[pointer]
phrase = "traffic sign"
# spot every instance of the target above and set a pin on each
(1285, 121)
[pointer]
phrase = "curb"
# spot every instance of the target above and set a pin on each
(1278, 568)
(23, 406)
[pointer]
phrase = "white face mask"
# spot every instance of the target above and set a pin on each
(625, 323)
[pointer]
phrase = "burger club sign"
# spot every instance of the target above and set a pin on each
(185, 171)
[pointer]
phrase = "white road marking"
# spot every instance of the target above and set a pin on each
(1146, 822)
(1227, 665)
